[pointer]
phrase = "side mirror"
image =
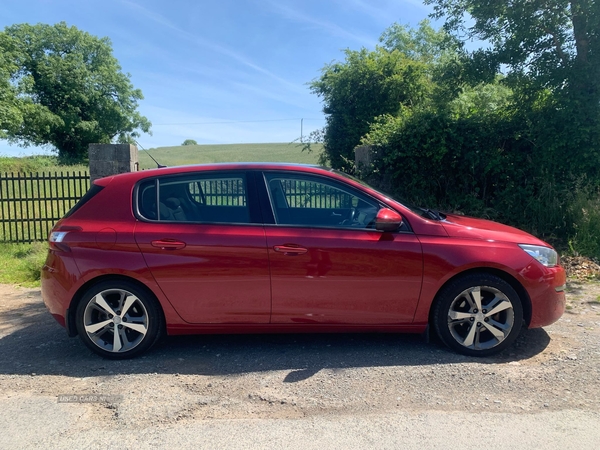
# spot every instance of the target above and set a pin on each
(387, 220)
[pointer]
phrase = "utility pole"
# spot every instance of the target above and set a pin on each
(301, 129)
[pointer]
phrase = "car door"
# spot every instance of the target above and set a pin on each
(204, 242)
(328, 263)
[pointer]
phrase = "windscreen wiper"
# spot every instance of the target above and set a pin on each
(433, 214)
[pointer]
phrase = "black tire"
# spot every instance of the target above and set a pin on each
(122, 306)
(471, 330)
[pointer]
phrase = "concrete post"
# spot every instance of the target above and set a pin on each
(111, 159)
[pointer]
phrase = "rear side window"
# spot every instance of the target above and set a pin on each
(204, 198)
(91, 193)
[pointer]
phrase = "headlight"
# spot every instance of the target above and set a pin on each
(546, 256)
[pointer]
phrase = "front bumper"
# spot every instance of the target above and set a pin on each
(546, 288)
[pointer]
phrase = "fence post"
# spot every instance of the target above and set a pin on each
(111, 159)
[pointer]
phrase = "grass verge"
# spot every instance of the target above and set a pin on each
(22, 263)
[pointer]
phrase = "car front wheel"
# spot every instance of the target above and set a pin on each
(117, 319)
(478, 315)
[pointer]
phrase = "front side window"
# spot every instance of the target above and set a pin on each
(315, 201)
(204, 198)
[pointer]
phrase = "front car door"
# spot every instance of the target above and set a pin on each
(328, 263)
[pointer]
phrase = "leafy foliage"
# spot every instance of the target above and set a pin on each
(61, 86)
(189, 142)
(554, 43)
(550, 50)
(10, 115)
(583, 219)
(371, 83)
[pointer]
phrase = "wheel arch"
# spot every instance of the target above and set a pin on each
(518, 287)
(70, 319)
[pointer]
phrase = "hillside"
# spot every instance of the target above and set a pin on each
(200, 154)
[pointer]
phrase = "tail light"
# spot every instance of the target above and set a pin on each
(56, 240)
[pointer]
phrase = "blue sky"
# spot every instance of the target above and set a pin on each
(223, 71)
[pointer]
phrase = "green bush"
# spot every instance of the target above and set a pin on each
(495, 165)
(583, 221)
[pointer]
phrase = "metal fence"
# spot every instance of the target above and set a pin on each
(31, 203)
(309, 194)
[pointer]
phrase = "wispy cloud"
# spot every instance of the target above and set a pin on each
(381, 12)
(212, 46)
(266, 92)
(295, 15)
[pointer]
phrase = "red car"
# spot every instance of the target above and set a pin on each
(265, 247)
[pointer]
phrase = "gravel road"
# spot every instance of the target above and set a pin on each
(299, 391)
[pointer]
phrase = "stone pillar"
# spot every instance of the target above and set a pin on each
(111, 159)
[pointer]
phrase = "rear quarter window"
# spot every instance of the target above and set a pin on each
(91, 193)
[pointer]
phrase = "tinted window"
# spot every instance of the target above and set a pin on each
(204, 198)
(315, 201)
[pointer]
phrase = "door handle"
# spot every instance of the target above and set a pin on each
(168, 244)
(290, 250)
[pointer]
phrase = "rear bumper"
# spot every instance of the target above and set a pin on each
(58, 278)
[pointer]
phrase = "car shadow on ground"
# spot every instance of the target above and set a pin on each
(31, 342)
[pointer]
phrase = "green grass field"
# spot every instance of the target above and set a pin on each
(178, 156)
(37, 163)
(203, 154)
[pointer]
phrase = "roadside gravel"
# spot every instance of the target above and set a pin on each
(196, 383)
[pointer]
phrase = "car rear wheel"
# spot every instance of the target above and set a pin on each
(478, 315)
(117, 320)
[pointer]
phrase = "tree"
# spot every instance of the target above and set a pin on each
(10, 115)
(64, 88)
(371, 83)
(550, 52)
(548, 41)
(189, 142)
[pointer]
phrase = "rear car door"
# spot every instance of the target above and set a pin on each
(202, 237)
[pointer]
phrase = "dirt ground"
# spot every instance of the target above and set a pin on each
(52, 387)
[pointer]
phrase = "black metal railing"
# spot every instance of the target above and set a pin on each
(308, 194)
(219, 192)
(31, 203)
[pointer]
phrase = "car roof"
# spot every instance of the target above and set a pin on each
(148, 173)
